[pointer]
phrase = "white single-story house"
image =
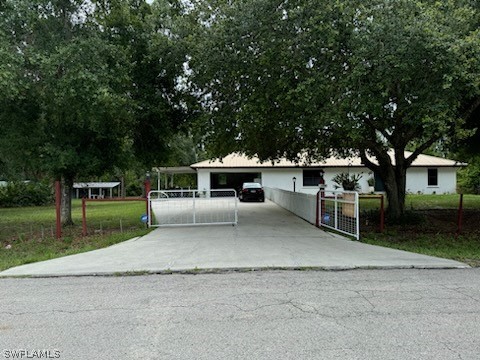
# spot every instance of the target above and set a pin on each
(427, 175)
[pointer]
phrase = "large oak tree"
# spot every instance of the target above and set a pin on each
(280, 78)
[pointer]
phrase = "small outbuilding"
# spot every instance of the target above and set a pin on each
(96, 190)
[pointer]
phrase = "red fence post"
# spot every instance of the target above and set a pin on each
(382, 214)
(84, 217)
(58, 204)
(148, 187)
(460, 215)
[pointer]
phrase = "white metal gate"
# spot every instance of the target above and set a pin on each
(338, 210)
(192, 207)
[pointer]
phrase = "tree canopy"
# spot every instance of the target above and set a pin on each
(86, 85)
(280, 79)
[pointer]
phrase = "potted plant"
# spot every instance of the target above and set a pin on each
(347, 182)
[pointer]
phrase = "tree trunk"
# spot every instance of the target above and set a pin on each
(66, 204)
(394, 178)
(123, 192)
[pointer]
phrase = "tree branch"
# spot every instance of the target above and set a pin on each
(382, 131)
(366, 161)
(419, 150)
(471, 109)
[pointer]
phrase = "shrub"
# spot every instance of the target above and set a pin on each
(134, 189)
(16, 194)
(469, 178)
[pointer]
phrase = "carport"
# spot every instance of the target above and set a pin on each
(225, 180)
(166, 175)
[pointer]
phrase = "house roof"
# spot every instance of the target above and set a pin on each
(95, 185)
(174, 170)
(236, 160)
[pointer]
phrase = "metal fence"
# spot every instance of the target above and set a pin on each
(192, 207)
(338, 210)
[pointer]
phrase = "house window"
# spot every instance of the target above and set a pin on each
(432, 177)
(311, 177)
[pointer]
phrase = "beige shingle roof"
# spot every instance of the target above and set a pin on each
(236, 160)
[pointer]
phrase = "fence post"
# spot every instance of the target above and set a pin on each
(322, 201)
(460, 215)
(84, 216)
(357, 215)
(58, 203)
(148, 187)
(382, 214)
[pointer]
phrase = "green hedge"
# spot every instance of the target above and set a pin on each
(16, 194)
(469, 178)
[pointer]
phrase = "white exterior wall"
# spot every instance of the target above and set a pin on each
(330, 173)
(203, 179)
(417, 181)
(282, 178)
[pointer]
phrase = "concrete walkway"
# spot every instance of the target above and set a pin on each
(266, 236)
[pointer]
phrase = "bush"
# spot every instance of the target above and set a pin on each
(17, 194)
(469, 178)
(134, 189)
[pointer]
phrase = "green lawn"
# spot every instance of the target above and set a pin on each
(433, 231)
(27, 234)
(464, 248)
(450, 201)
(420, 202)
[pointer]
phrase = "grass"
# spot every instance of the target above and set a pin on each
(27, 234)
(33, 250)
(450, 201)
(430, 227)
(464, 248)
(421, 202)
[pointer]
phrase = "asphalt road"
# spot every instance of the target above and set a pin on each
(361, 314)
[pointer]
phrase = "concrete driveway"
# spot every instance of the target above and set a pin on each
(266, 236)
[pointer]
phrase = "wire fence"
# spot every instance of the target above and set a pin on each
(339, 212)
(38, 223)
